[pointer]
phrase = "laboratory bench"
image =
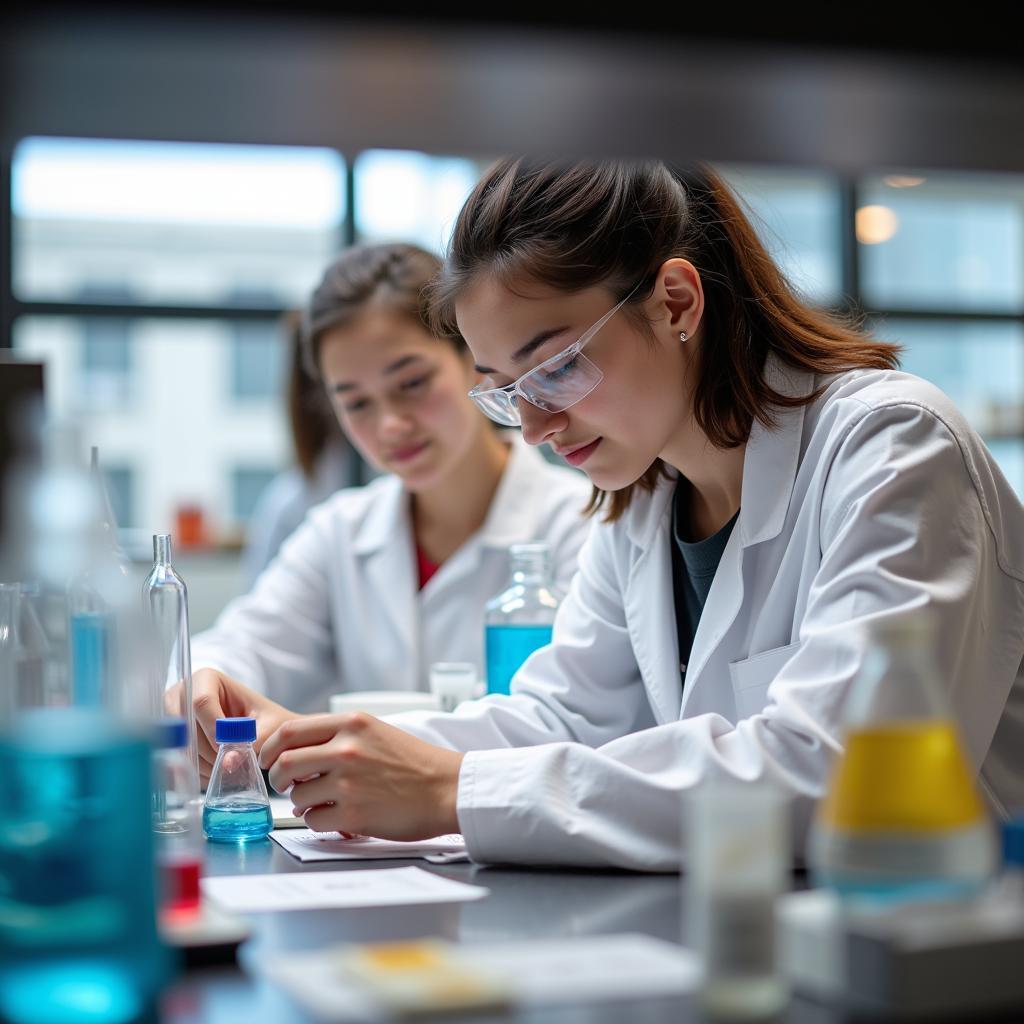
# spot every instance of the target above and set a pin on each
(523, 904)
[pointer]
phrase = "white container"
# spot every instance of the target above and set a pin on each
(736, 837)
(382, 702)
(453, 682)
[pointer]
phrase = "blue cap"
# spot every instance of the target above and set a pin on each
(1013, 841)
(171, 733)
(236, 730)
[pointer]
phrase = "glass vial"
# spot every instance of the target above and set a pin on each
(177, 821)
(237, 808)
(737, 838)
(165, 597)
(518, 621)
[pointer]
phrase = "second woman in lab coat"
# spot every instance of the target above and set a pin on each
(381, 581)
(770, 485)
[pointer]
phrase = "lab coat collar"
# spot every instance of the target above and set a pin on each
(511, 519)
(389, 518)
(769, 470)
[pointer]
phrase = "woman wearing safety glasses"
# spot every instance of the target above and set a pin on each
(768, 484)
(381, 581)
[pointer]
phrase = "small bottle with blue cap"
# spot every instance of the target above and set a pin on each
(237, 808)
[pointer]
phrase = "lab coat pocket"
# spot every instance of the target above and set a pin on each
(752, 677)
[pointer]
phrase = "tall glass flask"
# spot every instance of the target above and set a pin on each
(518, 620)
(902, 818)
(165, 597)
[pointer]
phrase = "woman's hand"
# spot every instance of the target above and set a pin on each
(370, 778)
(219, 696)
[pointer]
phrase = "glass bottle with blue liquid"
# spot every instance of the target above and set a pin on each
(237, 808)
(518, 621)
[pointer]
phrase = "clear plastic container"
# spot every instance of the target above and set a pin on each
(518, 621)
(177, 821)
(237, 808)
(902, 818)
(452, 683)
(737, 839)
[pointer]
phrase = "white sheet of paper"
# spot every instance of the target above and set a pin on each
(307, 846)
(543, 972)
(281, 809)
(315, 890)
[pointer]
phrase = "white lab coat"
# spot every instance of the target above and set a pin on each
(340, 608)
(874, 499)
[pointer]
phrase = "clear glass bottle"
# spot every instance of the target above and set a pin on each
(518, 621)
(736, 835)
(165, 597)
(902, 818)
(237, 808)
(177, 820)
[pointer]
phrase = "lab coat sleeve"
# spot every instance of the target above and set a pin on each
(901, 526)
(277, 639)
(584, 687)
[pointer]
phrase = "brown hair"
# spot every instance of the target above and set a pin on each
(313, 422)
(390, 276)
(575, 225)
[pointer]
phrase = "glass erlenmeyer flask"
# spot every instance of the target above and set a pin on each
(902, 818)
(237, 808)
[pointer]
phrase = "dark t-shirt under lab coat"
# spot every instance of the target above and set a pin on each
(694, 565)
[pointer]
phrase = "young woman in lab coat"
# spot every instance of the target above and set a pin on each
(381, 581)
(768, 483)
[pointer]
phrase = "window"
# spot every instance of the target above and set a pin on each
(258, 361)
(178, 431)
(120, 482)
(173, 223)
(106, 362)
(942, 243)
(797, 217)
(980, 365)
(410, 197)
(247, 484)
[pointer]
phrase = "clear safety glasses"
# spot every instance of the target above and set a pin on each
(554, 385)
